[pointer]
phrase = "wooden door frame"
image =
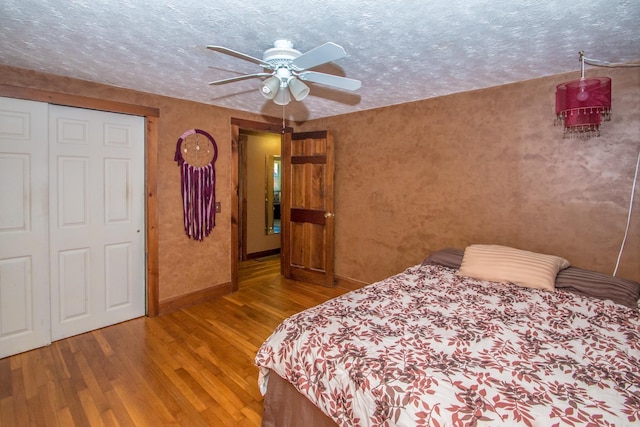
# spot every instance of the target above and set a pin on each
(242, 196)
(151, 116)
(236, 125)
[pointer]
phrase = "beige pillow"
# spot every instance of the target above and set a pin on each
(496, 263)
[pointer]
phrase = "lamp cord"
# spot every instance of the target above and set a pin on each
(598, 63)
(626, 231)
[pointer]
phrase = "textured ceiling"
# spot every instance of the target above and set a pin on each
(401, 50)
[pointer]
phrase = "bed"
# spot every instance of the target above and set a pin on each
(485, 336)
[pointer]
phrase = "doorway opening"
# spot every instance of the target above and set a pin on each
(240, 128)
(259, 194)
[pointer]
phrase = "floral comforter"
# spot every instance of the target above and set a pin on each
(429, 348)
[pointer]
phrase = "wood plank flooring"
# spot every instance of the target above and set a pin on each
(193, 367)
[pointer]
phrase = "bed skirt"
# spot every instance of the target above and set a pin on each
(284, 406)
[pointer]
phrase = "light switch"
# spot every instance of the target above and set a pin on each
(218, 207)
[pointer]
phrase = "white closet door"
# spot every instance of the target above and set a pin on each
(24, 252)
(96, 219)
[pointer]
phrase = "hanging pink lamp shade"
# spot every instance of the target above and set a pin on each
(582, 105)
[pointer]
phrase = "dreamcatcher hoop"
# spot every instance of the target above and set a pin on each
(198, 184)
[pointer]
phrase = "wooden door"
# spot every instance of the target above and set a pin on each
(307, 207)
(96, 219)
(24, 233)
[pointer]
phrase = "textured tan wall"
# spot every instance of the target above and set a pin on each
(185, 265)
(485, 167)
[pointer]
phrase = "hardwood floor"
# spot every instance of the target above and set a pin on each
(193, 367)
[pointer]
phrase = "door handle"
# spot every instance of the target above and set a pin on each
(329, 214)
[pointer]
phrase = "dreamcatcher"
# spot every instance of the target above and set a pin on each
(196, 154)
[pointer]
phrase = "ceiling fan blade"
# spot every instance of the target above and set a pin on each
(330, 80)
(249, 58)
(238, 78)
(320, 55)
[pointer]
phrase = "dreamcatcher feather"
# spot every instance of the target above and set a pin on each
(198, 187)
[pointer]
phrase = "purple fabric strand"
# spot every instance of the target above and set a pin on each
(198, 188)
(198, 200)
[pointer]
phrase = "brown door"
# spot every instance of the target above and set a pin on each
(307, 207)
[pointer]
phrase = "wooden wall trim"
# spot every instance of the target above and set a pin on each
(242, 197)
(259, 126)
(182, 301)
(152, 220)
(151, 165)
(60, 98)
(262, 254)
(347, 283)
(235, 246)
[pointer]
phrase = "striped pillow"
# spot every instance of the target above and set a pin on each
(497, 263)
(599, 285)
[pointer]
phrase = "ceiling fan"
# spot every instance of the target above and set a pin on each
(288, 68)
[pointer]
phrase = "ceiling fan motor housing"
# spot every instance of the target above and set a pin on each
(281, 54)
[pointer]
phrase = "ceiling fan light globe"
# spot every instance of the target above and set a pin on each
(283, 97)
(270, 87)
(298, 89)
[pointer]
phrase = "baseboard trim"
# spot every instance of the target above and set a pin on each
(262, 254)
(347, 283)
(186, 300)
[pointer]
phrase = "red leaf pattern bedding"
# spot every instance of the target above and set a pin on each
(429, 348)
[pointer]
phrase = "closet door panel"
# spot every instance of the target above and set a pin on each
(24, 257)
(97, 226)
(72, 253)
